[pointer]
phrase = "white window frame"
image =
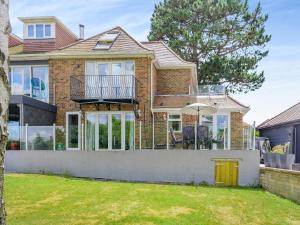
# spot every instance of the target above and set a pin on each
(175, 120)
(30, 69)
(110, 62)
(214, 128)
(67, 130)
(109, 113)
(52, 31)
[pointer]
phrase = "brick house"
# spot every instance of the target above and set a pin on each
(110, 91)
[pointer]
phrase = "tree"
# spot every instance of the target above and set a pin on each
(224, 38)
(5, 29)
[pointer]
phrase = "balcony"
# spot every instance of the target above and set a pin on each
(211, 90)
(104, 89)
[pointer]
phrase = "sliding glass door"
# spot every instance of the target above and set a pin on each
(109, 131)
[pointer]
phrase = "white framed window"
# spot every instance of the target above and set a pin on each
(39, 31)
(175, 121)
(73, 129)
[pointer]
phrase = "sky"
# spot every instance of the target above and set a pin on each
(282, 66)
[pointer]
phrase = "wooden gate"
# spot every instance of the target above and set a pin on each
(226, 172)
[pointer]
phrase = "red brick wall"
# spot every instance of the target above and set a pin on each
(39, 45)
(175, 81)
(60, 71)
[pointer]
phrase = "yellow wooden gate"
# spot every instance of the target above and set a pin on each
(226, 172)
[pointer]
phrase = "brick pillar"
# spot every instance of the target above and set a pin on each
(236, 123)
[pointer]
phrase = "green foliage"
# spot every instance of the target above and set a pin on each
(224, 38)
(40, 143)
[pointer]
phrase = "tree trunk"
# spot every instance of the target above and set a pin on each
(5, 29)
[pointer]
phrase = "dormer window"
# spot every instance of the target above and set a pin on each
(40, 31)
(106, 40)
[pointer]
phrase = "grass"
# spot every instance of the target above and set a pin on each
(41, 199)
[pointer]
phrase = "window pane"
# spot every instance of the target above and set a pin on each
(90, 131)
(116, 69)
(207, 120)
(90, 84)
(17, 79)
(73, 131)
(48, 30)
(39, 30)
(103, 131)
(176, 125)
(27, 81)
(129, 68)
(40, 83)
(30, 30)
(222, 131)
(116, 131)
(129, 131)
(90, 68)
(103, 69)
(177, 117)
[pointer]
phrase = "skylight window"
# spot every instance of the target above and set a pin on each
(105, 41)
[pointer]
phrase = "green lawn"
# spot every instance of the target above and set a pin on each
(41, 199)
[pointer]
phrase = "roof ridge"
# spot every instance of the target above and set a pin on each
(268, 120)
(139, 43)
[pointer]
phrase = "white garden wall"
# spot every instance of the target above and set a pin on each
(178, 166)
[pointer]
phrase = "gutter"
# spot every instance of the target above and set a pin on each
(46, 56)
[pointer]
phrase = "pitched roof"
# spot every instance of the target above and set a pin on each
(14, 40)
(165, 56)
(124, 43)
(290, 115)
(220, 102)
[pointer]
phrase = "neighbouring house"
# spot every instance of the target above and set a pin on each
(283, 128)
(110, 91)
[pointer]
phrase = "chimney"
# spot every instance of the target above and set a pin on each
(81, 31)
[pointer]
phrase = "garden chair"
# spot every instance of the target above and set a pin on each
(203, 136)
(188, 134)
(173, 138)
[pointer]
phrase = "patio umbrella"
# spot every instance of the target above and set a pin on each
(196, 108)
